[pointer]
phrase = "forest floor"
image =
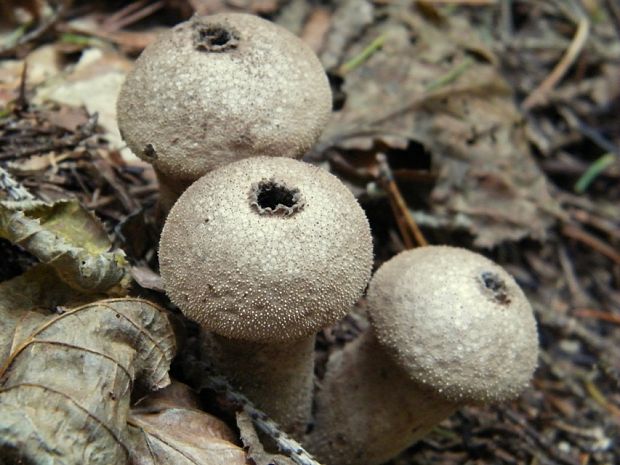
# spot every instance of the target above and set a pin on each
(500, 126)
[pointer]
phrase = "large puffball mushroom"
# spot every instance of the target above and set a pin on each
(220, 88)
(448, 327)
(264, 252)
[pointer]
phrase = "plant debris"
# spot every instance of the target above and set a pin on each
(498, 122)
(168, 428)
(56, 377)
(67, 237)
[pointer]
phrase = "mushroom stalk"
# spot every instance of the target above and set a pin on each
(170, 190)
(278, 378)
(368, 410)
(449, 328)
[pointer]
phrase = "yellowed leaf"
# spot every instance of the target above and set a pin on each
(69, 238)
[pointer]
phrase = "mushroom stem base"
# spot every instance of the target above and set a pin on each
(277, 378)
(169, 191)
(368, 410)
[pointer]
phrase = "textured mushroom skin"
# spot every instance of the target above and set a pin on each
(187, 108)
(265, 277)
(458, 321)
(277, 377)
(367, 410)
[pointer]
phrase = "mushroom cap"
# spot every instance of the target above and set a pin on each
(266, 249)
(219, 88)
(456, 322)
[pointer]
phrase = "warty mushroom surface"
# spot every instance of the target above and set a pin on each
(448, 327)
(264, 252)
(219, 88)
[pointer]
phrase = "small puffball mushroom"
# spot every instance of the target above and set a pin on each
(448, 327)
(264, 252)
(220, 88)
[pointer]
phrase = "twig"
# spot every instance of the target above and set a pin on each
(14, 189)
(575, 232)
(541, 440)
(600, 398)
(45, 25)
(384, 175)
(265, 424)
(573, 327)
(401, 211)
(22, 101)
(538, 95)
(578, 296)
(598, 315)
(450, 76)
(590, 132)
(593, 171)
(135, 16)
(109, 23)
(73, 140)
(362, 56)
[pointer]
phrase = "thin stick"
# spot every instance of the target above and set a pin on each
(284, 442)
(22, 101)
(538, 95)
(402, 210)
(593, 171)
(600, 398)
(408, 240)
(45, 24)
(14, 189)
(597, 315)
(138, 15)
(575, 232)
(450, 76)
(386, 174)
(362, 56)
(109, 23)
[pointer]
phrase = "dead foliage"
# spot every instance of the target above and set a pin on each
(491, 125)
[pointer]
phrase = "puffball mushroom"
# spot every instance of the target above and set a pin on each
(219, 88)
(264, 252)
(448, 327)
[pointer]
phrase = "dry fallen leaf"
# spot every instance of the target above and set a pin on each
(29, 299)
(93, 83)
(167, 428)
(66, 236)
(437, 85)
(65, 389)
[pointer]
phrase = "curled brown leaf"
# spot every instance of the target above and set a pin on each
(65, 389)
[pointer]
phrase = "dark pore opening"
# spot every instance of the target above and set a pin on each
(497, 287)
(215, 37)
(274, 197)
